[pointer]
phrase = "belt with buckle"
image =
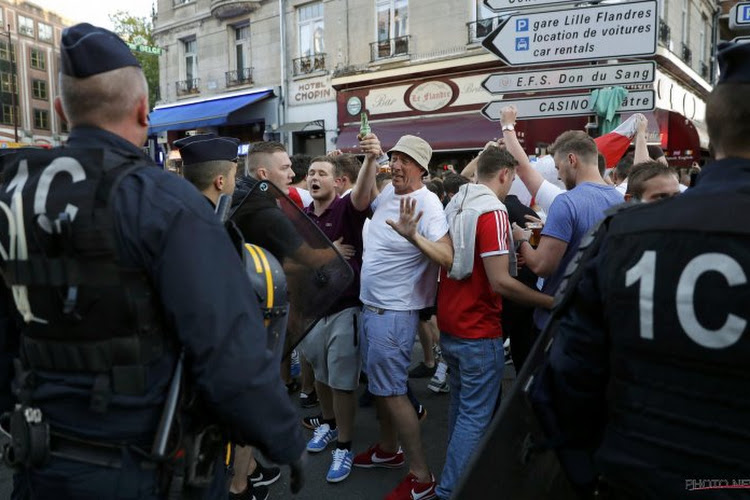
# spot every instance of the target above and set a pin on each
(376, 310)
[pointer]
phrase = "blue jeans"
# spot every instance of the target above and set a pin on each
(475, 376)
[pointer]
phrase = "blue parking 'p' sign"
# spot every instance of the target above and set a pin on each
(522, 24)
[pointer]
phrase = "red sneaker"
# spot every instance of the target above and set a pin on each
(375, 457)
(411, 489)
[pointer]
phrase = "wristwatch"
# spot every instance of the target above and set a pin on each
(509, 126)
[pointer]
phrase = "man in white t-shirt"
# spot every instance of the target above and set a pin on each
(397, 280)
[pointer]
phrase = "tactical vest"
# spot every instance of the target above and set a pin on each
(677, 296)
(84, 312)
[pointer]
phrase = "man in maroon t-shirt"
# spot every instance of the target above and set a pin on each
(469, 320)
(332, 346)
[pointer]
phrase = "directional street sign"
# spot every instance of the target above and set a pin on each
(578, 77)
(739, 16)
(501, 5)
(579, 34)
(144, 48)
(567, 105)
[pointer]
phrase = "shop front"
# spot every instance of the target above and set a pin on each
(311, 116)
(247, 116)
(443, 110)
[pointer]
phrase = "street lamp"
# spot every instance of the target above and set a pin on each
(12, 84)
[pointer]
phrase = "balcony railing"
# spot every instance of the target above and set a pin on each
(309, 64)
(242, 76)
(665, 33)
(390, 47)
(687, 54)
(704, 70)
(478, 30)
(188, 86)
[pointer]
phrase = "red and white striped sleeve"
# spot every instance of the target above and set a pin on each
(493, 229)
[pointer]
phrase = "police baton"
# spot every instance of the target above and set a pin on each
(159, 449)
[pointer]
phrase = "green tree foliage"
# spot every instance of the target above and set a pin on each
(139, 30)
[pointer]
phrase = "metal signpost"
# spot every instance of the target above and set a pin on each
(578, 34)
(579, 77)
(567, 105)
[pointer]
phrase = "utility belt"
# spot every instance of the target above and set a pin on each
(33, 444)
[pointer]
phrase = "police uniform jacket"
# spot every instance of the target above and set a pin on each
(649, 367)
(164, 227)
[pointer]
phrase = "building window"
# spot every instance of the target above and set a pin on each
(190, 52)
(191, 59)
(45, 32)
(39, 89)
(41, 119)
(25, 26)
(5, 54)
(241, 47)
(392, 28)
(8, 114)
(310, 21)
(5, 79)
(38, 59)
(486, 21)
(2, 17)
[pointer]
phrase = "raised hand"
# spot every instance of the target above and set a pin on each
(408, 220)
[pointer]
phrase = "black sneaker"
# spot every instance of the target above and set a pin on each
(263, 476)
(422, 371)
(313, 422)
(250, 493)
(308, 400)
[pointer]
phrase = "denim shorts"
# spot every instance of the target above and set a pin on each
(387, 339)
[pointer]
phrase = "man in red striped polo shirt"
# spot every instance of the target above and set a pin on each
(469, 309)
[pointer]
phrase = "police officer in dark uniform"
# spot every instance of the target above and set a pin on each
(117, 267)
(209, 162)
(648, 373)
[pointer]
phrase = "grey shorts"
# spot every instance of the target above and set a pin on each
(332, 348)
(387, 342)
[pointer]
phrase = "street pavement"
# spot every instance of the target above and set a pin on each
(362, 484)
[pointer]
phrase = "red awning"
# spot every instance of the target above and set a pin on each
(683, 145)
(444, 133)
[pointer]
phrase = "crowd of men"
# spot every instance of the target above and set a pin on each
(125, 293)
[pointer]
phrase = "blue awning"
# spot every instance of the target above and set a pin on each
(200, 114)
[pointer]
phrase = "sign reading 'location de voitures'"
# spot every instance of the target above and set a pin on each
(579, 34)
